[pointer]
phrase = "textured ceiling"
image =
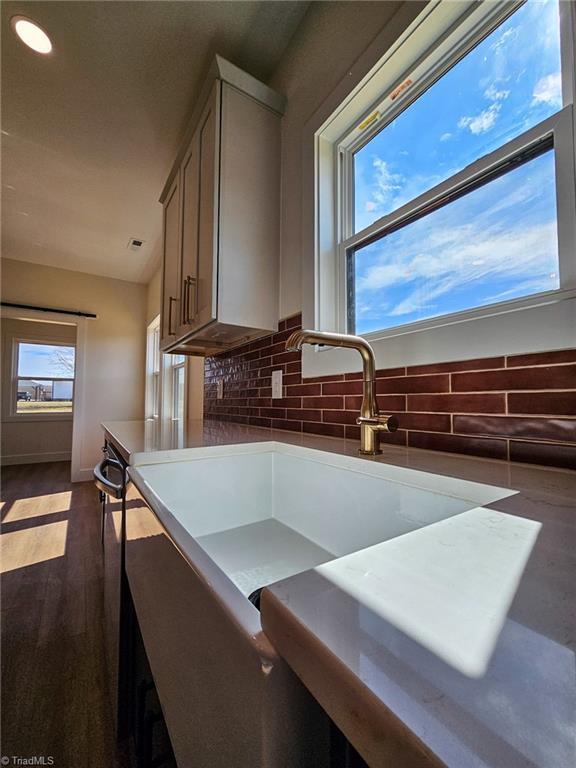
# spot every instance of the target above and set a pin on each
(89, 132)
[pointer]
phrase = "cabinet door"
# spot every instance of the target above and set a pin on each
(249, 205)
(172, 266)
(190, 180)
(199, 219)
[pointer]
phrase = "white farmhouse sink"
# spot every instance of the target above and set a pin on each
(222, 522)
(266, 511)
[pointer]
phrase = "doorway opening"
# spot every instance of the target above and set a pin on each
(42, 387)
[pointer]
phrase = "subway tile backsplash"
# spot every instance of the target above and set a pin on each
(518, 408)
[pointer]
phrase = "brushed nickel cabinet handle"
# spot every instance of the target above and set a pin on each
(185, 301)
(170, 300)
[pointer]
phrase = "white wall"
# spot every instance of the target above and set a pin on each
(327, 43)
(334, 48)
(30, 439)
(153, 296)
(115, 342)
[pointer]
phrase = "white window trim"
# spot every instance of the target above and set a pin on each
(13, 415)
(558, 128)
(534, 323)
(153, 395)
(81, 419)
(163, 408)
(169, 394)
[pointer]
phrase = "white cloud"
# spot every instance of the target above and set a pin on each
(548, 90)
(536, 285)
(505, 38)
(482, 122)
(491, 256)
(545, 18)
(485, 120)
(387, 183)
(371, 310)
(489, 250)
(494, 94)
(446, 136)
(385, 188)
(382, 276)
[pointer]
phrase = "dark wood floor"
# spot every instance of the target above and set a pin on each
(54, 696)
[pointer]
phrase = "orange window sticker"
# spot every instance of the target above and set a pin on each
(400, 89)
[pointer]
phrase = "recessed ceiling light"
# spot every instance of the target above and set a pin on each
(31, 34)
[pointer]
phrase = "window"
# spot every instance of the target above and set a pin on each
(496, 243)
(177, 373)
(445, 188)
(165, 379)
(153, 369)
(450, 189)
(509, 82)
(45, 378)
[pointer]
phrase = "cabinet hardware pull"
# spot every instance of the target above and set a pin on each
(170, 300)
(191, 281)
(104, 484)
(185, 301)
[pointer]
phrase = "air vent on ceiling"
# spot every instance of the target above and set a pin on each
(135, 244)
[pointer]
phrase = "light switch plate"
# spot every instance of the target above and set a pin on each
(220, 389)
(276, 384)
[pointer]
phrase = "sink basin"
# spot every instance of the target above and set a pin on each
(219, 523)
(266, 511)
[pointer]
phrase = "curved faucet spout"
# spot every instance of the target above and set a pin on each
(337, 340)
(370, 420)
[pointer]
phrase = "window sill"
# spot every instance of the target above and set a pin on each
(30, 417)
(471, 315)
(546, 325)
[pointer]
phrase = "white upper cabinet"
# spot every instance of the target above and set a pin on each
(221, 218)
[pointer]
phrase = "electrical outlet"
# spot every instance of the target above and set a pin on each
(276, 384)
(220, 389)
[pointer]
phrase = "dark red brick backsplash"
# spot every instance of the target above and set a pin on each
(561, 403)
(485, 403)
(519, 407)
(542, 377)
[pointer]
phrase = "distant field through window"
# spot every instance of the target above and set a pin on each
(45, 378)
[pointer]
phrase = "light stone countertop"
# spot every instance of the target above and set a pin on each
(477, 667)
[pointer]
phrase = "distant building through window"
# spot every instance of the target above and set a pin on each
(45, 378)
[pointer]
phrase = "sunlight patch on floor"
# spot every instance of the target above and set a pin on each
(19, 549)
(37, 506)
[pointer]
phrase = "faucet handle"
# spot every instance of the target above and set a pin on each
(379, 422)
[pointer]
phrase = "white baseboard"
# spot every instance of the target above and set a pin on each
(82, 475)
(35, 458)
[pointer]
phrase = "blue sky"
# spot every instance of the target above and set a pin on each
(41, 360)
(496, 243)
